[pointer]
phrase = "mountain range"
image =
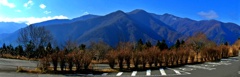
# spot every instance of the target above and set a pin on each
(132, 26)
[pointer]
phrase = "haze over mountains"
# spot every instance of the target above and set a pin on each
(132, 26)
(9, 27)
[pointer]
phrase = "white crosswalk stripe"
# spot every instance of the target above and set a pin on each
(90, 74)
(162, 71)
(104, 74)
(119, 74)
(148, 73)
(134, 73)
(177, 72)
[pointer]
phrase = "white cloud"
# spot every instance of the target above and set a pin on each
(28, 4)
(208, 15)
(6, 3)
(42, 6)
(31, 20)
(47, 12)
(18, 11)
(85, 13)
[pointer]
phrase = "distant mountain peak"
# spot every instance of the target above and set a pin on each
(117, 13)
(84, 17)
(169, 15)
(138, 11)
(140, 14)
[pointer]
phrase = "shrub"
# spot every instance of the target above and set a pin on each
(143, 55)
(77, 59)
(86, 59)
(137, 56)
(111, 56)
(70, 61)
(152, 56)
(225, 51)
(235, 50)
(120, 58)
(44, 64)
(62, 59)
(54, 59)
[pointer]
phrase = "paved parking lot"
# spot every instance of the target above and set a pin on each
(179, 71)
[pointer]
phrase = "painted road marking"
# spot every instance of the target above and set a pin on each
(104, 74)
(211, 65)
(89, 74)
(134, 73)
(221, 63)
(230, 59)
(148, 72)
(119, 74)
(187, 69)
(177, 72)
(200, 67)
(162, 71)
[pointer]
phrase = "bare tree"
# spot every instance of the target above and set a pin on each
(38, 35)
(86, 59)
(54, 60)
(77, 58)
(70, 61)
(111, 56)
(62, 59)
(198, 43)
(136, 58)
(100, 49)
(70, 45)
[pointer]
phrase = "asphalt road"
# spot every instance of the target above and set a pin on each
(10, 65)
(225, 68)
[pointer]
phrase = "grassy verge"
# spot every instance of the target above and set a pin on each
(9, 56)
(24, 70)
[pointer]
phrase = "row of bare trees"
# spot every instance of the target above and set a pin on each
(81, 59)
(196, 49)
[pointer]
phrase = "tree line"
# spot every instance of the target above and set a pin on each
(35, 42)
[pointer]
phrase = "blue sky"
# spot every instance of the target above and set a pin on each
(32, 11)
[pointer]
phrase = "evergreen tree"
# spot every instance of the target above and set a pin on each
(49, 48)
(19, 50)
(148, 44)
(177, 45)
(226, 43)
(158, 44)
(10, 49)
(57, 49)
(182, 42)
(40, 52)
(29, 49)
(140, 42)
(163, 45)
(82, 47)
(139, 45)
(4, 47)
